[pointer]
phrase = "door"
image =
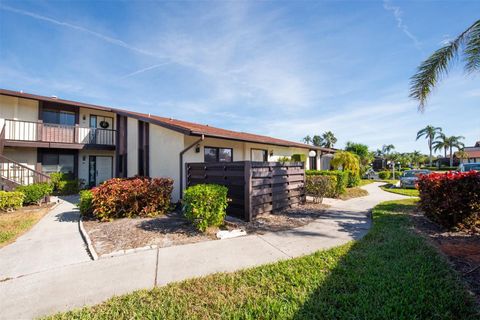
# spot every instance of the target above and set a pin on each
(100, 169)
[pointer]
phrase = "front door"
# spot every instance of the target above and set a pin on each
(100, 169)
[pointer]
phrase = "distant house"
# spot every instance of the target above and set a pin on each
(473, 153)
(40, 135)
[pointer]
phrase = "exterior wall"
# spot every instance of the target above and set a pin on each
(132, 144)
(325, 162)
(25, 156)
(18, 109)
(165, 148)
(84, 121)
(83, 157)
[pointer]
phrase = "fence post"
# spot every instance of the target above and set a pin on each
(247, 169)
(304, 195)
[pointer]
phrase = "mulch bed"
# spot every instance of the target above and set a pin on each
(172, 229)
(461, 248)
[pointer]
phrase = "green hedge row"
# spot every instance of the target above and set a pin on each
(341, 180)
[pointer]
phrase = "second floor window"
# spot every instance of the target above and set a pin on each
(213, 154)
(58, 117)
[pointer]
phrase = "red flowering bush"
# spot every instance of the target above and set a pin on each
(131, 197)
(451, 199)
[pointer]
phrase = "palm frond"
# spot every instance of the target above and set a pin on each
(430, 72)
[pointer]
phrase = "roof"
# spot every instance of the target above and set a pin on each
(473, 153)
(185, 127)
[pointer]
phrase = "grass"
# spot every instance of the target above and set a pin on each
(354, 192)
(14, 224)
(392, 273)
(364, 182)
(402, 191)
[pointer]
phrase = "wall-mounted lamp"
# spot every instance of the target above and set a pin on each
(197, 148)
(84, 118)
(271, 153)
(84, 158)
(312, 153)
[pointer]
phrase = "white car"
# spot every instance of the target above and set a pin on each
(465, 167)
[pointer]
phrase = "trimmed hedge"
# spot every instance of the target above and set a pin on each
(384, 175)
(35, 193)
(319, 187)
(10, 200)
(205, 205)
(131, 197)
(353, 179)
(85, 205)
(341, 180)
(451, 199)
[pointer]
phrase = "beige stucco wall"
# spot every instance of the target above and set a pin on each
(83, 164)
(132, 143)
(165, 148)
(25, 156)
(84, 123)
(19, 109)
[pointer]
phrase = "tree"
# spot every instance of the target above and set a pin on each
(437, 65)
(429, 132)
(329, 139)
(346, 160)
(461, 154)
(387, 148)
(454, 142)
(361, 150)
(416, 157)
(307, 139)
(441, 143)
(317, 140)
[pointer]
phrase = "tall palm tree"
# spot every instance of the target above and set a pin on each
(441, 143)
(429, 132)
(434, 67)
(317, 140)
(329, 139)
(387, 148)
(307, 139)
(454, 142)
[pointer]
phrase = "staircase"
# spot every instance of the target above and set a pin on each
(14, 174)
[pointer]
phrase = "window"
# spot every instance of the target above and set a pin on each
(313, 163)
(259, 155)
(58, 117)
(213, 154)
(54, 162)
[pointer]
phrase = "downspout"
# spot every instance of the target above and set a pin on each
(181, 162)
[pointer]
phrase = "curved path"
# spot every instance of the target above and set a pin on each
(74, 285)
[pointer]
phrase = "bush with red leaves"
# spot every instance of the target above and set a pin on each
(131, 197)
(451, 199)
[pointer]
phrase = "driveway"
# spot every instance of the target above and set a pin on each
(91, 282)
(52, 243)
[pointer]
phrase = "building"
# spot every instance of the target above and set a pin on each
(473, 153)
(40, 135)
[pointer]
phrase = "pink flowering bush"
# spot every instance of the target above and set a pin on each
(451, 199)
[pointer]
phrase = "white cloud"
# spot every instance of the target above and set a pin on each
(397, 13)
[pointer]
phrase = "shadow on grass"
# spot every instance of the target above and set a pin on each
(390, 274)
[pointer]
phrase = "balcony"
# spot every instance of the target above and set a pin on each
(39, 134)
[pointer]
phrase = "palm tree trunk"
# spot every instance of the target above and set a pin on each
(430, 147)
(451, 157)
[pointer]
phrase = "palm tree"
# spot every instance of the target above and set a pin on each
(416, 158)
(434, 67)
(307, 139)
(454, 142)
(441, 143)
(386, 148)
(329, 139)
(430, 132)
(317, 140)
(461, 154)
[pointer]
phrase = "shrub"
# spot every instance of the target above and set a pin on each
(299, 157)
(353, 179)
(62, 185)
(346, 161)
(341, 180)
(451, 199)
(284, 159)
(131, 197)
(384, 175)
(85, 204)
(319, 187)
(205, 205)
(10, 200)
(35, 193)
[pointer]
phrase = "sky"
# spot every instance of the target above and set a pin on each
(279, 68)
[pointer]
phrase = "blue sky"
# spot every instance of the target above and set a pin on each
(278, 68)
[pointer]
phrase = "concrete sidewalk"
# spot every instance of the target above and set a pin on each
(92, 282)
(52, 243)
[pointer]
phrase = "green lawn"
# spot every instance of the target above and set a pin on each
(390, 274)
(364, 182)
(14, 224)
(402, 191)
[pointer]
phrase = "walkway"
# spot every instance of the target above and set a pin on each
(53, 242)
(92, 282)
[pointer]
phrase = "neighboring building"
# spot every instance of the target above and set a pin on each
(473, 153)
(95, 143)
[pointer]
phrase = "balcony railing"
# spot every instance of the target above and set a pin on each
(20, 130)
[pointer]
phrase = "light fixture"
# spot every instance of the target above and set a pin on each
(84, 117)
(271, 153)
(197, 148)
(312, 153)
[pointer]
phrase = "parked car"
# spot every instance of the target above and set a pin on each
(464, 167)
(370, 174)
(409, 178)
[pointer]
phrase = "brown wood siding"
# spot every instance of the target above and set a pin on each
(253, 187)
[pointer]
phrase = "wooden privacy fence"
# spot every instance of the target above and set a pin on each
(253, 187)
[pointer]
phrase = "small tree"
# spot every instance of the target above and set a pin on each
(346, 161)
